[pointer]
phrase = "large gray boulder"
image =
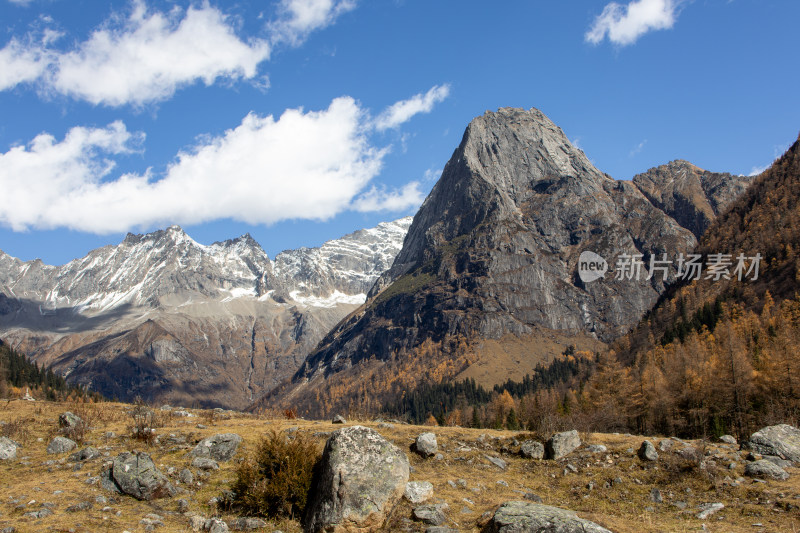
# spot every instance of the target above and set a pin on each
(220, 447)
(531, 449)
(61, 445)
(562, 444)
(528, 517)
(136, 475)
(782, 440)
(426, 445)
(8, 449)
(360, 477)
(765, 468)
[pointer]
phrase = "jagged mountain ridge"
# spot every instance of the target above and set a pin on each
(230, 322)
(493, 252)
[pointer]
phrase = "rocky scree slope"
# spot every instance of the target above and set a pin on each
(494, 250)
(164, 317)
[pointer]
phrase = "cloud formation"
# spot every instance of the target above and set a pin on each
(402, 111)
(298, 18)
(303, 165)
(623, 25)
(149, 55)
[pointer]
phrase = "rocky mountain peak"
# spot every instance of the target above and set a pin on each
(689, 194)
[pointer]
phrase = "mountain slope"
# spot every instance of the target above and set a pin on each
(166, 318)
(692, 196)
(490, 261)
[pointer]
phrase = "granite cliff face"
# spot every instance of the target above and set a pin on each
(168, 319)
(494, 250)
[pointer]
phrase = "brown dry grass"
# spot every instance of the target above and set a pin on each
(622, 507)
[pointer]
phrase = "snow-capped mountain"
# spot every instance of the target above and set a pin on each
(167, 267)
(189, 311)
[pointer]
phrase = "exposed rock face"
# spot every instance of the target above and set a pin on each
(220, 447)
(8, 449)
(361, 475)
(782, 440)
(764, 468)
(527, 517)
(562, 444)
(136, 475)
(494, 251)
(692, 196)
(165, 318)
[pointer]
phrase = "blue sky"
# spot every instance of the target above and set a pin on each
(301, 120)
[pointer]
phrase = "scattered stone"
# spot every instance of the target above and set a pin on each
(441, 529)
(185, 476)
(247, 524)
(496, 461)
(708, 509)
(69, 420)
(679, 505)
(647, 452)
(360, 477)
(418, 491)
(728, 439)
(764, 468)
(531, 449)
(339, 419)
(80, 506)
(86, 454)
(215, 525)
(197, 522)
(426, 445)
(655, 496)
(666, 445)
(219, 447)
(151, 521)
(41, 513)
(183, 505)
(204, 463)
(502, 482)
(562, 444)
(532, 497)
(596, 448)
(61, 445)
(8, 449)
(201, 426)
(136, 475)
(183, 413)
(385, 425)
(782, 440)
(432, 515)
(166, 407)
(516, 516)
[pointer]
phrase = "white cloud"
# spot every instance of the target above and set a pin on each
(755, 171)
(298, 18)
(377, 199)
(152, 54)
(45, 182)
(21, 63)
(625, 24)
(304, 165)
(21, 2)
(402, 111)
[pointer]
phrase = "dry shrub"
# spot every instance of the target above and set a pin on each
(275, 480)
(17, 429)
(290, 414)
(145, 422)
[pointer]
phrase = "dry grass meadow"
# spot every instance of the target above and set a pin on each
(611, 488)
